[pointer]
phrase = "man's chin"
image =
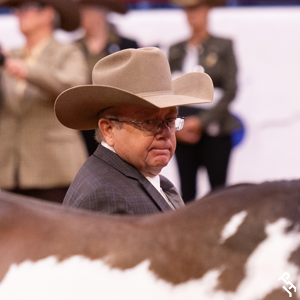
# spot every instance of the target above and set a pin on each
(161, 163)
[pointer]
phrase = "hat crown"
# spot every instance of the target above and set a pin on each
(130, 77)
(135, 71)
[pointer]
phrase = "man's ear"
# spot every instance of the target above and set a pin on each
(107, 129)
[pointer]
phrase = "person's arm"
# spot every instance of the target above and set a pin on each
(68, 70)
(225, 80)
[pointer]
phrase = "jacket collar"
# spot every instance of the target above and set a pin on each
(129, 170)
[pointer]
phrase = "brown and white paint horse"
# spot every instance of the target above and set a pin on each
(240, 243)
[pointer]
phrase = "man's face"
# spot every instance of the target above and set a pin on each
(148, 153)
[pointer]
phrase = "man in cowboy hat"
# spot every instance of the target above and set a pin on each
(132, 102)
(38, 156)
(101, 39)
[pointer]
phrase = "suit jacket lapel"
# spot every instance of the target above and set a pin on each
(130, 171)
(154, 193)
(171, 192)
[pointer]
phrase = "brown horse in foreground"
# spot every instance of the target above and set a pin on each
(240, 243)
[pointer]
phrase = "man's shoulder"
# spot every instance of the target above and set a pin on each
(92, 176)
(100, 171)
(92, 169)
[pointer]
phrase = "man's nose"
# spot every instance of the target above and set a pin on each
(163, 129)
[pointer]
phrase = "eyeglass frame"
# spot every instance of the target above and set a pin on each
(139, 124)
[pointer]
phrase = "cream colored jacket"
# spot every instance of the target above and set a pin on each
(36, 151)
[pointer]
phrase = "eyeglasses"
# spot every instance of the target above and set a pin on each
(153, 126)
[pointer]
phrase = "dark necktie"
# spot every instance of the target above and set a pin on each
(171, 192)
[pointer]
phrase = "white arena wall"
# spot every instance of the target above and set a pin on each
(267, 47)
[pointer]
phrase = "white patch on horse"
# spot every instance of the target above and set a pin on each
(232, 226)
(79, 278)
(269, 259)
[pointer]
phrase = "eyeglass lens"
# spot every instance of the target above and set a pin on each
(154, 126)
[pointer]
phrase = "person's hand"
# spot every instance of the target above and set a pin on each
(16, 68)
(191, 131)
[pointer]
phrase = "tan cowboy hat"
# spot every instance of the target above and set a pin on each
(67, 9)
(131, 76)
(115, 6)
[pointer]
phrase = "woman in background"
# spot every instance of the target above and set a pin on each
(205, 139)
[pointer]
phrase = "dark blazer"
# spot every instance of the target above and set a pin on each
(108, 184)
(217, 57)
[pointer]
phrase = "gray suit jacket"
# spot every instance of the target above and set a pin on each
(108, 184)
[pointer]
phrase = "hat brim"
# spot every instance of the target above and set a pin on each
(115, 6)
(68, 11)
(79, 107)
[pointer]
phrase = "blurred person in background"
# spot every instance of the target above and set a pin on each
(38, 156)
(205, 139)
(101, 39)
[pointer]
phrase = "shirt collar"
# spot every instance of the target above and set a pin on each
(104, 144)
(155, 181)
